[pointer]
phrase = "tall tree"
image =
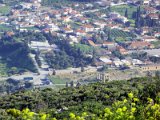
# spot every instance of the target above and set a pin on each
(93, 57)
(126, 13)
(109, 36)
(138, 15)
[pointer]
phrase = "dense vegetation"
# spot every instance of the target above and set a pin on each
(130, 109)
(11, 86)
(16, 55)
(27, 37)
(14, 52)
(137, 98)
(67, 56)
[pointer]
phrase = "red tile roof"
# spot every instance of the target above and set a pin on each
(91, 43)
(139, 44)
(154, 16)
(88, 26)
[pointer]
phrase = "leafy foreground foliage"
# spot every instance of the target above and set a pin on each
(130, 109)
(136, 99)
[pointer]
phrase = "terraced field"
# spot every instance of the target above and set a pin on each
(119, 33)
(3, 69)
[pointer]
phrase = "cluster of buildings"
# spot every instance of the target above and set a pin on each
(74, 24)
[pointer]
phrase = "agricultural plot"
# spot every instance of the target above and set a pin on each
(4, 28)
(58, 80)
(156, 44)
(4, 10)
(84, 48)
(122, 8)
(3, 69)
(119, 33)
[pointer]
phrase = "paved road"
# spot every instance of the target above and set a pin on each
(37, 78)
(149, 51)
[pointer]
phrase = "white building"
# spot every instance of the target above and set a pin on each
(105, 60)
(37, 45)
(137, 62)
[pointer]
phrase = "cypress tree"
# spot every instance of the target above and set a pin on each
(126, 13)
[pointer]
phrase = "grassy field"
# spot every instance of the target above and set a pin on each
(84, 48)
(58, 80)
(156, 44)
(4, 28)
(4, 10)
(122, 8)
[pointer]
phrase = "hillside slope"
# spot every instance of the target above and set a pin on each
(92, 100)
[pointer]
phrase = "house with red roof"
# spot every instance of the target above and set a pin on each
(122, 50)
(90, 42)
(55, 13)
(139, 45)
(110, 45)
(154, 16)
(101, 24)
(66, 19)
(144, 30)
(149, 10)
(80, 32)
(67, 30)
(157, 34)
(88, 28)
(149, 38)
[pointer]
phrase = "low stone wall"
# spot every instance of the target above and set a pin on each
(154, 67)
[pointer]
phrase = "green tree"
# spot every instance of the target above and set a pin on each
(13, 70)
(93, 57)
(126, 13)
(28, 85)
(109, 36)
(157, 74)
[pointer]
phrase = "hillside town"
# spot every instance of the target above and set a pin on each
(125, 35)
